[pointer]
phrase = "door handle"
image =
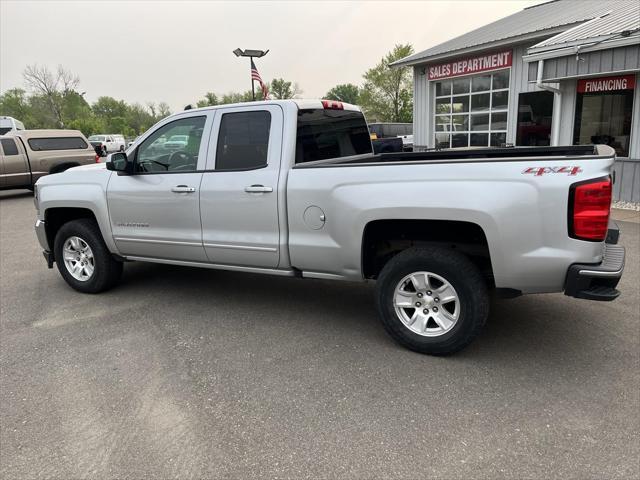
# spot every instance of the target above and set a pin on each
(258, 189)
(183, 189)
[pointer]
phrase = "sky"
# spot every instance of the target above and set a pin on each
(176, 51)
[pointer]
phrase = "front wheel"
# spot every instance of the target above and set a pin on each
(83, 259)
(432, 300)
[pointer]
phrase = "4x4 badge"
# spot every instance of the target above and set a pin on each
(539, 171)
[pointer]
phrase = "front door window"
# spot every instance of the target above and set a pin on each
(172, 148)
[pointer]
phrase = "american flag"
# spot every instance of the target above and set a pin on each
(256, 76)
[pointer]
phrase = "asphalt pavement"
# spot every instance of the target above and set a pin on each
(190, 373)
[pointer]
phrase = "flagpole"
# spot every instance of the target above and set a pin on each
(253, 92)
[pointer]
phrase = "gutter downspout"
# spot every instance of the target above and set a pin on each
(557, 104)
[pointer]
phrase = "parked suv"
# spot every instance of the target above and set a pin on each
(26, 155)
(108, 143)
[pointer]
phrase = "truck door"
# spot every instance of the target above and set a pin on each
(155, 212)
(15, 166)
(239, 192)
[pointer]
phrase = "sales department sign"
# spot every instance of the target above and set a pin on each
(466, 66)
(607, 84)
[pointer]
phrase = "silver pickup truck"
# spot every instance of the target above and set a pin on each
(293, 188)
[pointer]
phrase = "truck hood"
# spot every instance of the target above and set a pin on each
(91, 173)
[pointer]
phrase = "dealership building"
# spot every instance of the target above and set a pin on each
(564, 72)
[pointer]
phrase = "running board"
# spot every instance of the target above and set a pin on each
(218, 266)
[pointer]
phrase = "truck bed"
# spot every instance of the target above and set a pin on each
(458, 156)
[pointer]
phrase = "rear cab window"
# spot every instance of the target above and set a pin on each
(324, 134)
(57, 143)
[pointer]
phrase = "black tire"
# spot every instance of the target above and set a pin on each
(107, 270)
(460, 272)
(122, 148)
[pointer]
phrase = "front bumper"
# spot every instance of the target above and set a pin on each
(598, 282)
(41, 233)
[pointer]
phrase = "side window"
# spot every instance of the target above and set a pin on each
(172, 148)
(324, 134)
(243, 140)
(9, 146)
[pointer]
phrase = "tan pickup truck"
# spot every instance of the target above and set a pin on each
(26, 155)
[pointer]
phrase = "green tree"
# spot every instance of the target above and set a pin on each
(210, 99)
(87, 125)
(280, 89)
(109, 107)
(52, 87)
(346, 92)
(15, 103)
(139, 119)
(41, 114)
(163, 110)
(236, 97)
(386, 95)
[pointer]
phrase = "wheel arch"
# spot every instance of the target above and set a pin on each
(58, 215)
(382, 239)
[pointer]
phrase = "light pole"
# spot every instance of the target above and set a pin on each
(251, 54)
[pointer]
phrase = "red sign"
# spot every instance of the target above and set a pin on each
(465, 66)
(607, 84)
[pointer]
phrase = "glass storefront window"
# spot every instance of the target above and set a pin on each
(472, 111)
(499, 100)
(499, 121)
(443, 123)
(443, 140)
(498, 139)
(443, 105)
(460, 104)
(604, 118)
(443, 88)
(461, 85)
(535, 110)
(460, 123)
(480, 122)
(479, 139)
(501, 80)
(481, 83)
(480, 102)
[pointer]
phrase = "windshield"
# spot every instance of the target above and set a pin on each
(96, 138)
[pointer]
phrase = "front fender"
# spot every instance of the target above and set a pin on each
(89, 196)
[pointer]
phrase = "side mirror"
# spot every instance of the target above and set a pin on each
(118, 162)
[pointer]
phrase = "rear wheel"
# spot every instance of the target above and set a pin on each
(83, 259)
(432, 300)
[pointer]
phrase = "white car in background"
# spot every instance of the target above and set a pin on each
(108, 143)
(176, 142)
(10, 124)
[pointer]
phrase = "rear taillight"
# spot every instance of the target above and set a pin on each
(332, 105)
(589, 208)
(97, 158)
